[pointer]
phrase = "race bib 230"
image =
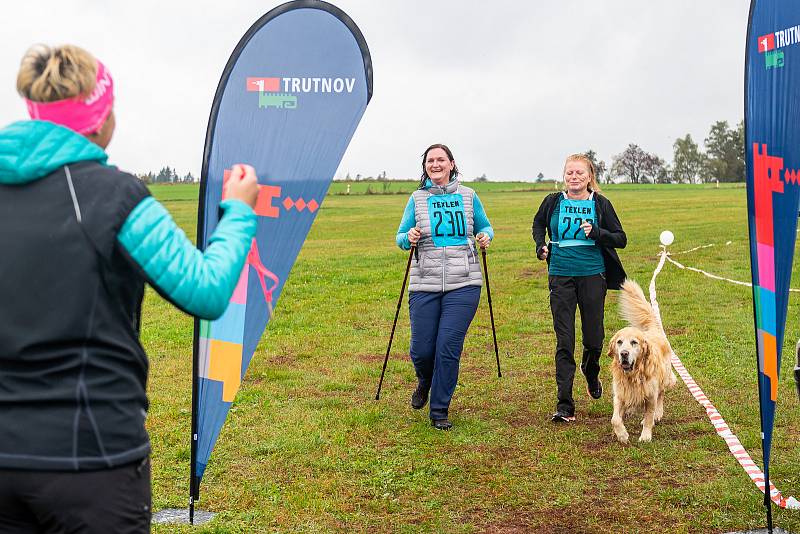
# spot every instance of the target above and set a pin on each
(448, 222)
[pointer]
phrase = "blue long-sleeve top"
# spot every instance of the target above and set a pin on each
(480, 222)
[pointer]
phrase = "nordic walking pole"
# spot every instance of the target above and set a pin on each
(797, 369)
(491, 312)
(396, 315)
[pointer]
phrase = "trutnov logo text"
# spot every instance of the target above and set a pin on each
(282, 93)
(771, 44)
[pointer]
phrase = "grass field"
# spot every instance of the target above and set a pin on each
(306, 448)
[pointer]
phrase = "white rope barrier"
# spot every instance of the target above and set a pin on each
(733, 443)
(697, 248)
(710, 275)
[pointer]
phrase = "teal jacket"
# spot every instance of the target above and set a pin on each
(78, 241)
(199, 283)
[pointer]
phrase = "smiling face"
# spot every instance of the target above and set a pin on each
(438, 166)
(628, 346)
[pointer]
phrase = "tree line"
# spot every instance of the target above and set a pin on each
(167, 176)
(722, 160)
(359, 178)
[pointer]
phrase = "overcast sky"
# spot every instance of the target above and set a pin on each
(512, 87)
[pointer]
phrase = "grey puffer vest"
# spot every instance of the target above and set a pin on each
(442, 269)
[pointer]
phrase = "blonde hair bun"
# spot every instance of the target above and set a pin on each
(47, 74)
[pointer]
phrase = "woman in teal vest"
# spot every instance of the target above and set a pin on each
(582, 264)
(444, 220)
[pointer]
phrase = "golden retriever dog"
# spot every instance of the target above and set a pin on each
(641, 366)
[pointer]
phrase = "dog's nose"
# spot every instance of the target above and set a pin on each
(624, 354)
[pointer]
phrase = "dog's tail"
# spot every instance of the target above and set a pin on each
(634, 307)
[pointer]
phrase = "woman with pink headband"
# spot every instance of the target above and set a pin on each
(78, 241)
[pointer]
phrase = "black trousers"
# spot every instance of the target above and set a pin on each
(589, 294)
(85, 502)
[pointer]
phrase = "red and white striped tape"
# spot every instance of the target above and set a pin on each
(734, 445)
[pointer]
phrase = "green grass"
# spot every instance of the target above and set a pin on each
(306, 448)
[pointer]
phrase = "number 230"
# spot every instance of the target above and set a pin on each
(456, 222)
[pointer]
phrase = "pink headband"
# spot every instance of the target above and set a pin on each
(84, 116)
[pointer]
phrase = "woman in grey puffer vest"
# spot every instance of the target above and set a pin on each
(444, 220)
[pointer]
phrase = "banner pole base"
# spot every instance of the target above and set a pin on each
(768, 503)
(181, 516)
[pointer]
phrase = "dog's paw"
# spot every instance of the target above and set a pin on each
(623, 438)
(645, 437)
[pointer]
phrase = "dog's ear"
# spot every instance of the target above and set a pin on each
(645, 347)
(650, 363)
(611, 345)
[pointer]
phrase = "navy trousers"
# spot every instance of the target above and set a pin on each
(439, 323)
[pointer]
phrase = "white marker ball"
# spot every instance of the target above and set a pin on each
(667, 238)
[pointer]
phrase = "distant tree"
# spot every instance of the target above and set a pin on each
(636, 165)
(662, 171)
(725, 152)
(599, 165)
(591, 155)
(687, 160)
(163, 175)
(166, 175)
(188, 179)
(600, 168)
(358, 177)
(348, 178)
(482, 178)
(539, 177)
